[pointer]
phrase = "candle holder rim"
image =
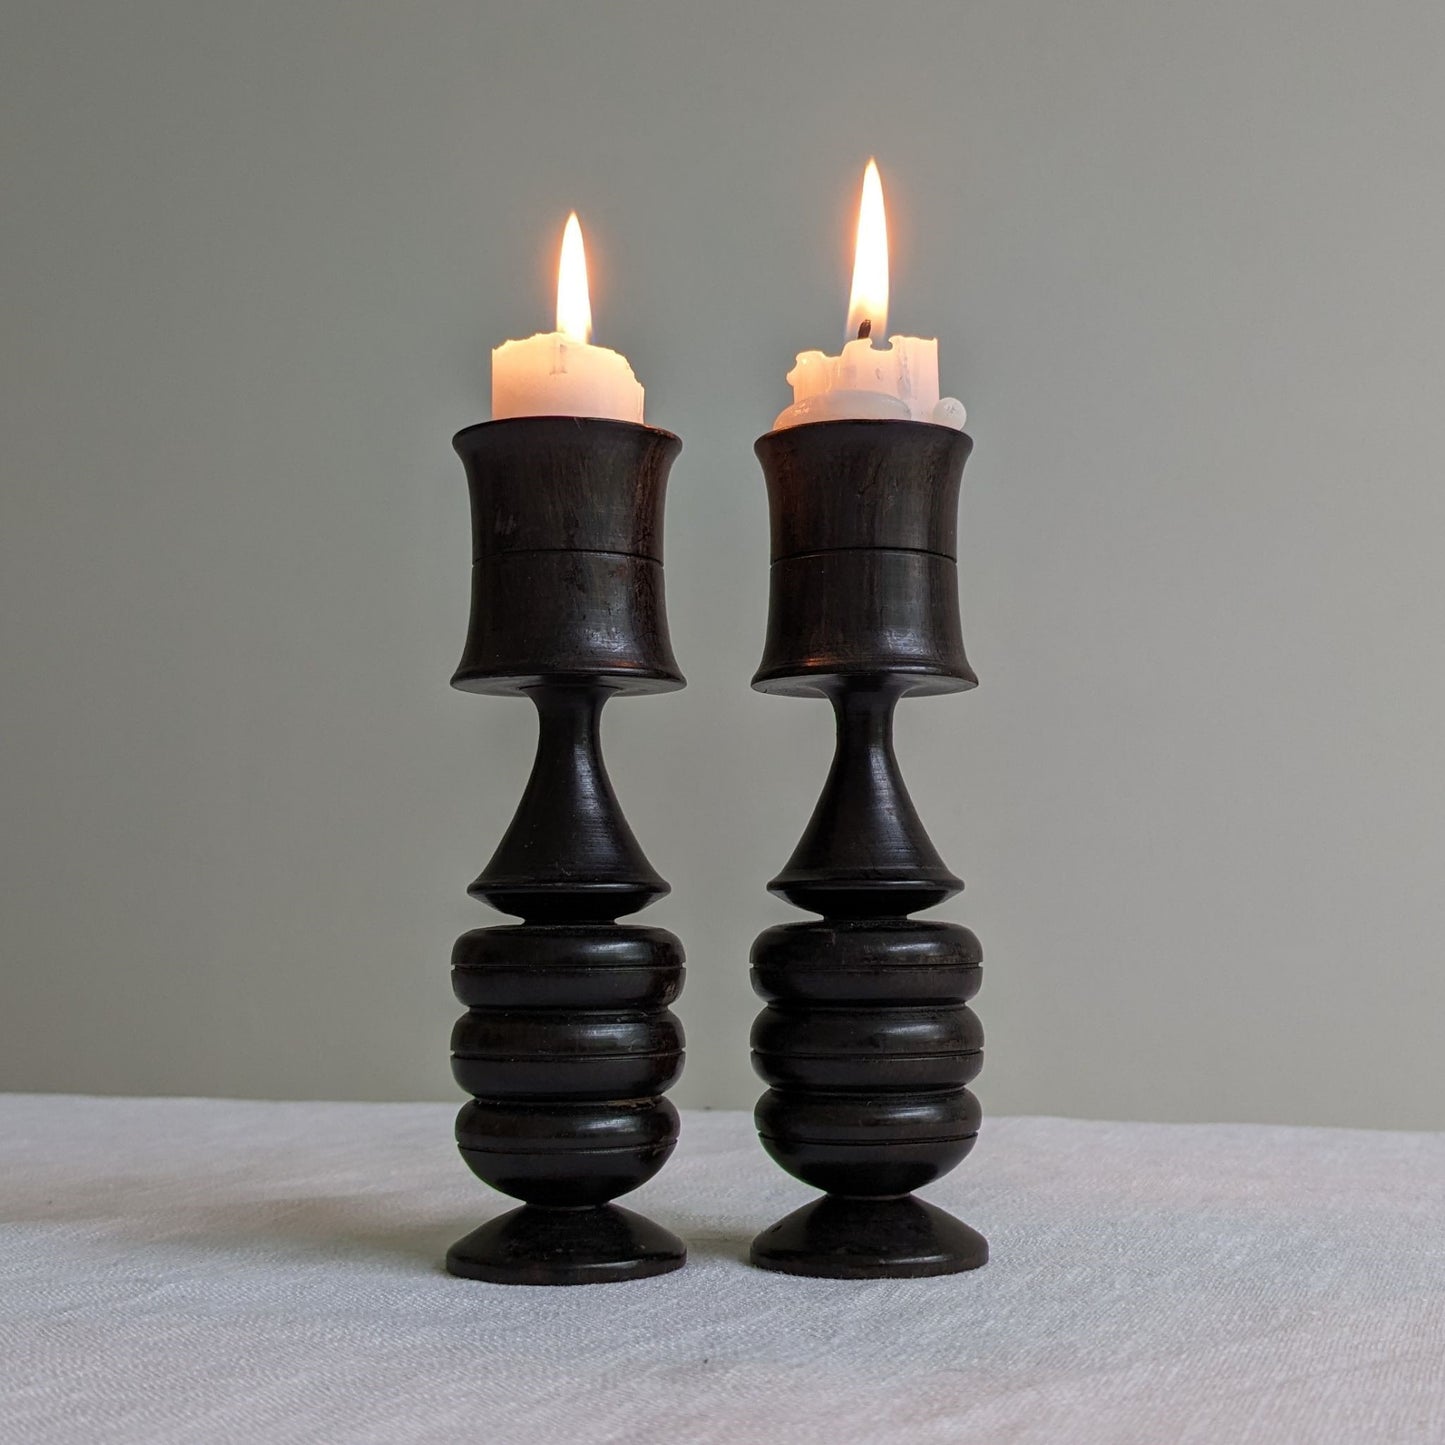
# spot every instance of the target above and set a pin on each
(605, 422)
(869, 422)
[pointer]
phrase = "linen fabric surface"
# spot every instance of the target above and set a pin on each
(186, 1270)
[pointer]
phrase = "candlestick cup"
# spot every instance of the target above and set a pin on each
(568, 1044)
(866, 1043)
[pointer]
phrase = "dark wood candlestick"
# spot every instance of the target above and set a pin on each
(567, 1044)
(866, 1042)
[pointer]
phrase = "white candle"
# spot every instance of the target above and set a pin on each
(558, 373)
(898, 381)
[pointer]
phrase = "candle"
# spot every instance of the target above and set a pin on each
(559, 373)
(898, 381)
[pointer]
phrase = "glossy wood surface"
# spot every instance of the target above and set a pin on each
(863, 580)
(567, 555)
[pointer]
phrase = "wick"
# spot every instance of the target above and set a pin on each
(865, 330)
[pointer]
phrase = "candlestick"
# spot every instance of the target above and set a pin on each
(866, 1042)
(894, 382)
(567, 1044)
(558, 373)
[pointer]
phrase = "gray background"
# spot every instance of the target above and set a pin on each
(1185, 263)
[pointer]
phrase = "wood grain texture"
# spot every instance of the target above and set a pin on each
(863, 579)
(568, 1042)
(567, 516)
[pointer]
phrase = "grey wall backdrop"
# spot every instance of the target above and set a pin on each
(1185, 262)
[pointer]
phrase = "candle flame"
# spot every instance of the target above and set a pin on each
(574, 304)
(868, 303)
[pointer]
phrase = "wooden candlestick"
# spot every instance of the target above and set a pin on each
(567, 1044)
(866, 1042)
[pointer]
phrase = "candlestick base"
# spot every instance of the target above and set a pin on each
(596, 1245)
(840, 1238)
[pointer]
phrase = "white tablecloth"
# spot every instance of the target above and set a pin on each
(208, 1271)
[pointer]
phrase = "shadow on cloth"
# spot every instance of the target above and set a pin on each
(137, 1210)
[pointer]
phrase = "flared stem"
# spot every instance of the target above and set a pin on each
(865, 852)
(569, 854)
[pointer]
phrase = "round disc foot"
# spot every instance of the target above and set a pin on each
(598, 1245)
(837, 1238)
